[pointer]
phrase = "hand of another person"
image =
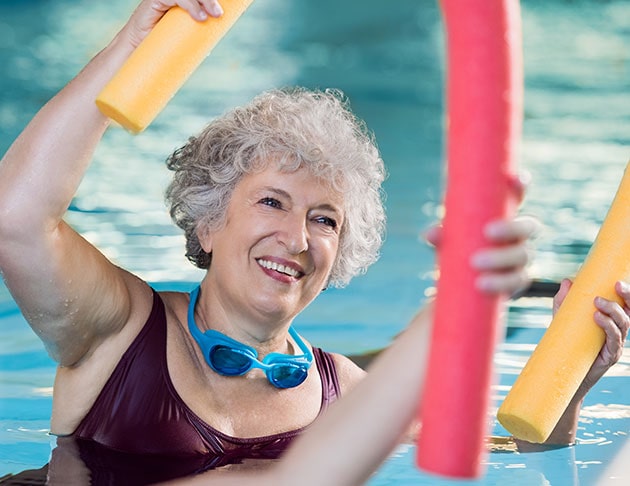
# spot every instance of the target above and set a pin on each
(614, 319)
(502, 267)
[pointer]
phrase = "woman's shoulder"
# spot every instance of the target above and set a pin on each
(176, 306)
(348, 373)
(174, 299)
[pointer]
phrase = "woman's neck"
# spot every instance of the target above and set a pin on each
(267, 334)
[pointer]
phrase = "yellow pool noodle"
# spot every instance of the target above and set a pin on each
(161, 64)
(573, 340)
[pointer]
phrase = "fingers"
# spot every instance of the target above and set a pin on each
(611, 312)
(498, 232)
(614, 319)
(519, 229)
(212, 7)
(434, 235)
(565, 285)
(506, 282)
(149, 12)
(623, 291)
(502, 267)
(518, 184)
(502, 258)
(200, 9)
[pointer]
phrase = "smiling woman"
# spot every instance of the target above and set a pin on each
(277, 199)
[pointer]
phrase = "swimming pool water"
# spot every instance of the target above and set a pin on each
(388, 58)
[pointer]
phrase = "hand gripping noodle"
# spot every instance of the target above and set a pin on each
(573, 340)
(484, 101)
(161, 64)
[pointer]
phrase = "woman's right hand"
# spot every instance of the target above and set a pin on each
(149, 12)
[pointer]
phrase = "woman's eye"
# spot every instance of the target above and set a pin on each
(271, 202)
(327, 221)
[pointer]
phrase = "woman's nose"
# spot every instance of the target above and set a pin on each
(294, 235)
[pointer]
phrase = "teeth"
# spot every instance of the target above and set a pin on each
(278, 268)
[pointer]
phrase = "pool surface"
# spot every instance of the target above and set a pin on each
(389, 60)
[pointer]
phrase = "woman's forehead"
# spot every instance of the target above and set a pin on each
(293, 183)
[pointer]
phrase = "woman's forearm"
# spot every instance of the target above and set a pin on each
(369, 421)
(42, 169)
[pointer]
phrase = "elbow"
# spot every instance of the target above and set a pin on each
(11, 248)
(13, 223)
(22, 214)
(22, 236)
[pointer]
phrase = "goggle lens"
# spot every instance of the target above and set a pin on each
(287, 376)
(228, 361)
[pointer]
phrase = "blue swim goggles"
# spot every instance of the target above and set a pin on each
(228, 357)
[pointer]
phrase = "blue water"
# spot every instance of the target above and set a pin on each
(388, 58)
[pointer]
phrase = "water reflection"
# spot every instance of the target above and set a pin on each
(77, 462)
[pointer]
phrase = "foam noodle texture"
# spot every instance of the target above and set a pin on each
(484, 102)
(573, 340)
(161, 64)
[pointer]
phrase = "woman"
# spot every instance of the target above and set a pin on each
(278, 200)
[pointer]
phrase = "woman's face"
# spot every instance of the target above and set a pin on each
(275, 251)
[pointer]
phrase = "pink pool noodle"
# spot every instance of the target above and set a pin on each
(484, 103)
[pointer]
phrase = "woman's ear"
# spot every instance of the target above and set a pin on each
(204, 235)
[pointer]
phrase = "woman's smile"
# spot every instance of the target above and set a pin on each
(287, 269)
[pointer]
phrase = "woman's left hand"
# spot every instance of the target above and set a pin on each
(502, 267)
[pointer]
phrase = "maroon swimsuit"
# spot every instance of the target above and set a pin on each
(139, 411)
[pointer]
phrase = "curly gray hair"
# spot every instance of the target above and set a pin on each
(300, 128)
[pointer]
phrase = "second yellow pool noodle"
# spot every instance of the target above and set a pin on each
(161, 64)
(573, 340)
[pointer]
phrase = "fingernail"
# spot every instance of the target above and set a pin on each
(479, 260)
(524, 177)
(216, 10)
(497, 231)
(484, 284)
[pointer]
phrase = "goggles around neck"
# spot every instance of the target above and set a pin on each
(228, 357)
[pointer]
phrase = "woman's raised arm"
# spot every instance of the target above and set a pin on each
(68, 291)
